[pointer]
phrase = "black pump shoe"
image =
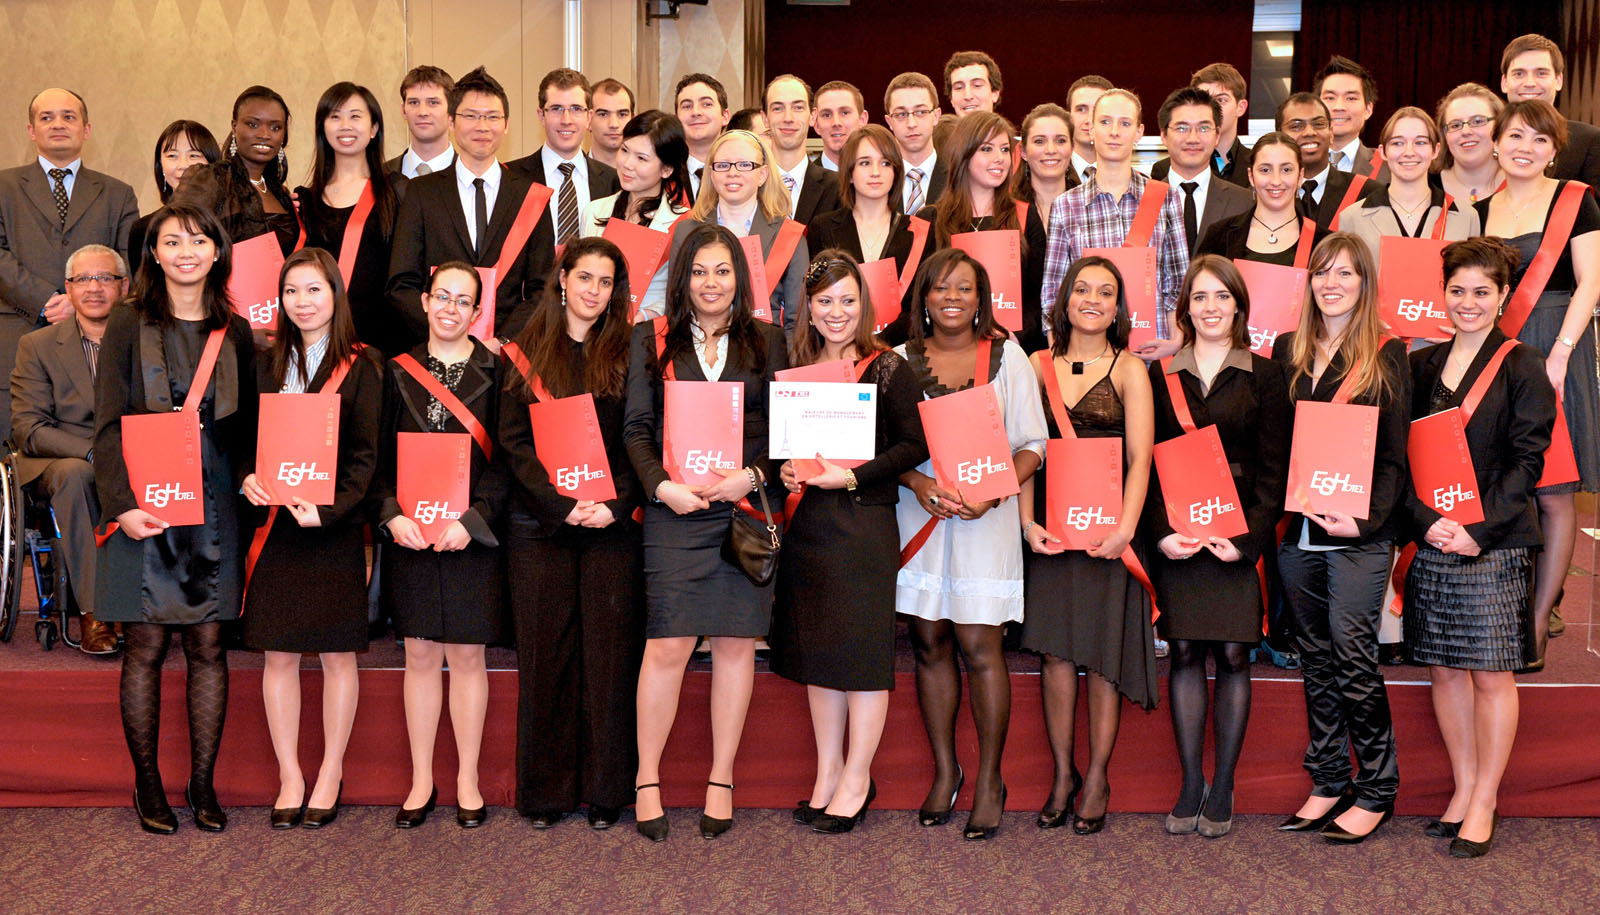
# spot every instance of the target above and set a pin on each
(411, 818)
(1466, 848)
(1338, 836)
(1315, 824)
(158, 818)
(940, 817)
(805, 814)
(287, 817)
(472, 817)
(603, 817)
(654, 829)
(318, 817)
(710, 826)
(1054, 819)
(208, 814)
(837, 825)
(1442, 829)
(982, 833)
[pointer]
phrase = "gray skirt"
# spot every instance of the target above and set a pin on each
(1470, 612)
(690, 590)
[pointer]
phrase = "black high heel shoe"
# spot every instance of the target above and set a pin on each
(805, 814)
(1466, 848)
(940, 817)
(982, 833)
(654, 829)
(1442, 829)
(411, 818)
(710, 826)
(1339, 836)
(1054, 819)
(287, 817)
(1088, 826)
(318, 817)
(208, 814)
(472, 817)
(156, 816)
(1315, 824)
(838, 825)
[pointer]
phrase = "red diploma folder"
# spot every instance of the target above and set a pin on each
(883, 288)
(1140, 277)
(840, 371)
(162, 454)
(643, 249)
(1330, 461)
(1441, 466)
(967, 441)
(253, 284)
(297, 450)
(703, 430)
(566, 435)
(1276, 296)
(1198, 486)
(434, 479)
(1083, 489)
(1411, 286)
(1000, 253)
(761, 305)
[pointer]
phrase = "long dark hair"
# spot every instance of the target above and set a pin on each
(829, 267)
(953, 214)
(1061, 321)
(605, 350)
(290, 344)
(273, 176)
(149, 295)
(665, 133)
(383, 198)
(934, 269)
(198, 136)
(742, 331)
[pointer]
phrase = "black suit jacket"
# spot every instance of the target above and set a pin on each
(1507, 437)
(1224, 199)
(838, 230)
(1228, 236)
(819, 194)
(393, 165)
(432, 229)
(602, 177)
(1580, 158)
(1333, 194)
(1237, 171)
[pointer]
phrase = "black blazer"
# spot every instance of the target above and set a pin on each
(1252, 416)
(1237, 171)
(376, 322)
(838, 230)
(938, 181)
(1227, 237)
(602, 177)
(1385, 521)
(1580, 158)
(1333, 194)
(642, 423)
(1035, 241)
(1508, 436)
(819, 195)
(432, 229)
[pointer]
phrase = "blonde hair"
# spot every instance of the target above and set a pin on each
(773, 197)
(1363, 338)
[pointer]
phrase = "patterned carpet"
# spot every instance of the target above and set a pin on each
(769, 864)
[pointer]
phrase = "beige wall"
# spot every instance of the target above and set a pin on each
(705, 39)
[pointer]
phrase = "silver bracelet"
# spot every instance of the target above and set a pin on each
(753, 483)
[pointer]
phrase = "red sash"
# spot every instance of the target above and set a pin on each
(1444, 217)
(1557, 232)
(920, 538)
(777, 259)
(1143, 227)
(1351, 193)
(528, 216)
(352, 233)
(1377, 165)
(451, 402)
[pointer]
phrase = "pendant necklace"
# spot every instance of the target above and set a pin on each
(1077, 367)
(1272, 231)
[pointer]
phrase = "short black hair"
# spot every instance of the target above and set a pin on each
(1188, 95)
(478, 81)
(709, 80)
(1338, 65)
(426, 75)
(745, 119)
(1298, 98)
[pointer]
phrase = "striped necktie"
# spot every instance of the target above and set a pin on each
(567, 206)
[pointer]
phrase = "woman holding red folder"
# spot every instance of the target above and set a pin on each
(246, 190)
(576, 587)
(307, 586)
(1552, 310)
(1335, 567)
(965, 580)
(1468, 614)
(178, 333)
(1270, 232)
(445, 597)
(1208, 589)
(350, 206)
(709, 334)
(1085, 607)
(833, 621)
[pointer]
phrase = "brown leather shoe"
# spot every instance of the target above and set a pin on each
(98, 638)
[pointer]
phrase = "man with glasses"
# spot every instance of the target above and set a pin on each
(813, 191)
(911, 104)
(1188, 121)
(467, 212)
(560, 164)
(613, 109)
(1230, 160)
(52, 405)
(1305, 119)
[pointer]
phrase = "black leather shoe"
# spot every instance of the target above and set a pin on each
(653, 829)
(975, 833)
(838, 825)
(1088, 826)
(411, 818)
(287, 817)
(1442, 829)
(472, 817)
(710, 826)
(1391, 654)
(940, 817)
(1315, 824)
(155, 815)
(603, 817)
(208, 814)
(546, 820)
(1339, 836)
(1466, 848)
(318, 817)
(805, 814)
(1054, 819)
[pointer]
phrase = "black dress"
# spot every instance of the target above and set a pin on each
(377, 324)
(454, 596)
(1091, 611)
(577, 602)
(189, 574)
(309, 590)
(833, 622)
(1202, 597)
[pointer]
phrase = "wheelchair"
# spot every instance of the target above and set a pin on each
(31, 541)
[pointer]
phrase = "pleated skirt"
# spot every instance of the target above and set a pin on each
(1470, 612)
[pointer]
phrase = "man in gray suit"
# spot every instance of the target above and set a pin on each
(1188, 120)
(52, 405)
(48, 209)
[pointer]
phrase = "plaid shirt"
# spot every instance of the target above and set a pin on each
(1087, 217)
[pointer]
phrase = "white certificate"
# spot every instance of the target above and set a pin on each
(808, 418)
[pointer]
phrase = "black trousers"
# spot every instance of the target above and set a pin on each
(577, 602)
(1336, 597)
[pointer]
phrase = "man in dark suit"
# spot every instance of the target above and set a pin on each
(813, 190)
(911, 103)
(1533, 67)
(1230, 160)
(424, 102)
(52, 405)
(560, 164)
(1323, 188)
(1188, 120)
(466, 212)
(1349, 91)
(48, 209)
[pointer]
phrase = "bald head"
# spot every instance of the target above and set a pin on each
(58, 124)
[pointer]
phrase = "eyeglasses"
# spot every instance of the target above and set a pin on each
(1458, 124)
(1183, 130)
(104, 279)
(576, 111)
(465, 303)
(489, 119)
(743, 165)
(1314, 124)
(900, 115)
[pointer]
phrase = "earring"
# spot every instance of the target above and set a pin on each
(283, 164)
(233, 146)
(563, 298)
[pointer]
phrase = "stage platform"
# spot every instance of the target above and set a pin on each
(63, 742)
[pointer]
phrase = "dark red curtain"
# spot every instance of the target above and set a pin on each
(1418, 50)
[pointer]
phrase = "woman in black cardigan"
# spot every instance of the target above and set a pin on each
(575, 584)
(710, 334)
(1335, 567)
(1468, 614)
(154, 578)
(1270, 231)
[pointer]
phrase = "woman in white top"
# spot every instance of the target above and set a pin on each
(1468, 169)
(966, 580)
(1409, 207)
(653, 167)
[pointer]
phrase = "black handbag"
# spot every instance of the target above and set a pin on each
(751, 546)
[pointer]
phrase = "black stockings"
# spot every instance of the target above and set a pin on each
(1188, 700)
(206, 694)
(939, 695)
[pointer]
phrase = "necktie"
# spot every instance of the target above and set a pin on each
(1307, 198)
(59, 175)
(914, 199)
(567, 206)
(1088, 172)
(1338, 158)
(424, 168)
(1219, 163)
(480, 217)
(1190, 222)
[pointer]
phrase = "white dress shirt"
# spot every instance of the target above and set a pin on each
(552, 174)
(410, 160)
(1321, 178)
(696, 166)
(1346, 156)
(827, 163)
(1079, 163)
(1201, 191)
(798, 176)
(491, 190)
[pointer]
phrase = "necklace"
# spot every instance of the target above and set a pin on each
(1077, 367)
(1411, 212)
(259, 184)
(1272, 231)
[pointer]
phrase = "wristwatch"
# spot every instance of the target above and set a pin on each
(850, 480)
(1571, 343)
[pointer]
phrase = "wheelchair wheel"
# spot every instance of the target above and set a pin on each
(12, 551)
